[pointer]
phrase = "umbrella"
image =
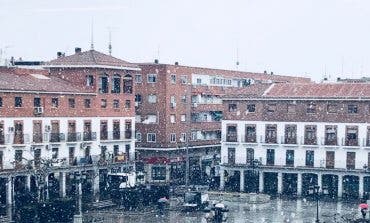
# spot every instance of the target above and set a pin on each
(364, 206)
(163, 200)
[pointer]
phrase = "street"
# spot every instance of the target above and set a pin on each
(299, 211)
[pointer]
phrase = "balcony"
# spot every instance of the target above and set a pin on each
(57, 137)
(89, 136)
(112, 136)
(73, 136)
(231, 137)
(21, 138)
(40, 137)
(350, 142)
(250, 139)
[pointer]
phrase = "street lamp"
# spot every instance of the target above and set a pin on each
(187, 160)
(315, 191)
(78, 177)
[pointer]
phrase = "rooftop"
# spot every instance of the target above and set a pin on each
(28, 80)
(91, 58)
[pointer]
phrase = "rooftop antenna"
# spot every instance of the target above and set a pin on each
(110, 42)
(158, 48)
(342, 65)
(237, 58)
(92, 33)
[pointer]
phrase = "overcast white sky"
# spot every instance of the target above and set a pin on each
(295, 37)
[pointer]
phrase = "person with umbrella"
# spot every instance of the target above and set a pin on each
(161, 204)
(364, 207)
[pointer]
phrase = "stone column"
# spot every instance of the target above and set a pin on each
(340, 186)
(241, 181)
(62, 184)
(47, 186)
(261, 182)
(280, 182)
(28, 182)
(222, 179)
(360, 186)
(96, 182)
(9, 191)
(299, 184)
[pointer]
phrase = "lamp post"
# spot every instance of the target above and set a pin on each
(77, 218)
(315, 191)
(187, 166)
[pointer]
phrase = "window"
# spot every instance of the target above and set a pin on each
(173, 118)
(152, 78)
(291, 108)
(250, 133)
(352, 109)
(71, 103)
(54, 102)
(194, 135)
(184, 79)
(183, 99)
(251, 108)
(89, 80)
(232, 107)
(183, 137)
(271, 134)
(183, 118)
(103, 84)
(310, 157)
(87, 103)
(231, 155)
(330, 159)
(37, 102)
(199, 81)
(289, 159)
(18, 102)
(115, 103)
(18, 156)
(331, 135)
(250, 156)
(138, 136)
(151, 137)
(54, 153)
(311, 108)
(152, 98)
(231, 133)
(173, 78)
(159, 173)
(290, 134)
(138, 98)
(271, 108)
(351, 136)
(332, 108)
(173, 137)
(127, 104)
(270, 157)
(1, 102)
(351, 160)
(310, 135)
(173, 101)
(138, 78)
(103, 103)
(116, 84)
(127, 84)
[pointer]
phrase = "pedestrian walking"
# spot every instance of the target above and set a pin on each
(364, 207)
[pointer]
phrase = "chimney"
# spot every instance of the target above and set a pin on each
(77, 50)
(272, 73)
(265, 72)
(176, 63)
(59, 54)
(156, 61)
(338, 78)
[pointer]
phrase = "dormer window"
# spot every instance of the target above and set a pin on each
(116, 84)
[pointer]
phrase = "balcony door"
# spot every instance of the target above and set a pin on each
(351, 160)
(72, 136)
(18, 132)
(37, 132)
(54, 136)
(330, 159)
(231, 156)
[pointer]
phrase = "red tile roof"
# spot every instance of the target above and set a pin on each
(314, 90)
(90, 58)
(35, 80)
(254, 90)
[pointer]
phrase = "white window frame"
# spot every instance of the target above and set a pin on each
(138, 136)
(172, 118)
(183, 118)
(151, 134)
(141, 78)
(173, 81)
(152, 75)
(183, 137)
